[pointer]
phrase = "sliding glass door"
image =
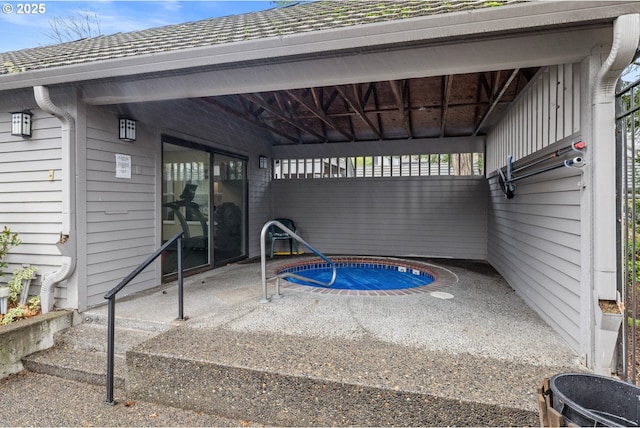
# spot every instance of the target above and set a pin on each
(203, 194)
(185, 205)
(229, 195)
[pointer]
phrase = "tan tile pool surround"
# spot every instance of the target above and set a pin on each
(443, 278)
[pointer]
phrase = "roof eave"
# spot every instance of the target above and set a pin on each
(478, 23)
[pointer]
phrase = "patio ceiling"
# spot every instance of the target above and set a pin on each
(432, 107)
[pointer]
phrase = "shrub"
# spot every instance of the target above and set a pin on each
(16, 281)
(14, 314)
(8, 240)
(34, 303)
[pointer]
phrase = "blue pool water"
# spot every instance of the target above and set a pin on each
(364, 276)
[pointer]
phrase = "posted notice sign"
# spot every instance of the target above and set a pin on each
(123, 166)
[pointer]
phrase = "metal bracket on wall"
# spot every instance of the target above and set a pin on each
(507, 180)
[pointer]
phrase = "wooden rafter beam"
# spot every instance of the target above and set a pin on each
(358, 110)
(476, 110)
(482, 77)
(280, 103)
(318, 113)
(287, 110)
(316, 96)
(519, 81)
(254, 121)
(496, 85)
(407, 97)
(332, 97)
(247, 108)
(495, 102)
(400, 96)
(388, 110)
(446, 94)
(258, 100)
(349, 114)
(373, 93)
(371, 90)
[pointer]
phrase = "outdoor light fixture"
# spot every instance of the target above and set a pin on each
(21, 124)
(262, 162)
(127, 129)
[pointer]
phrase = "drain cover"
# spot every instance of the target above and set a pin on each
(442, 295)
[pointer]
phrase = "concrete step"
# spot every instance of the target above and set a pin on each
(300, 381)
(80, 353)
(100, 317)
(93, 337)
(77, 365)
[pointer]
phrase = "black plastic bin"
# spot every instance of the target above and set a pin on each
(592, 400)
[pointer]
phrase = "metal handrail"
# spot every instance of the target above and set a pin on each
(111, 297)
(292, 234)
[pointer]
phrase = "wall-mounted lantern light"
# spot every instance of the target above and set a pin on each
(262, 162)
(21, 124)
(127, 129)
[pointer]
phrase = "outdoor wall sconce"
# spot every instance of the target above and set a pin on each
(127, 129)
(21, 124)
(262, 162)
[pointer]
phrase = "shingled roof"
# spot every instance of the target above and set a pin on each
(276, 22)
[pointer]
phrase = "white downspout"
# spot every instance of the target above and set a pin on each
(625, 43)
(626, 37)
(67, 243)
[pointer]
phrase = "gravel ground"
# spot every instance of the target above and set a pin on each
(31, 399)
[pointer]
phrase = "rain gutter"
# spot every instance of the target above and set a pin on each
(488, 21)
(67, 242)
(626, 36)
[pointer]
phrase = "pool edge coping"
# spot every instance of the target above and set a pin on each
(443, 278)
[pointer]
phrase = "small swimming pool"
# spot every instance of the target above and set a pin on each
(369, 276)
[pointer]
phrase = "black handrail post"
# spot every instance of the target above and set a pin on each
(110, 349)
(180, 288)
(111, 297)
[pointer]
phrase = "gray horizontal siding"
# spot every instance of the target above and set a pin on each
(120, 213)
(438, 217)
(535, 238)
(30, 203)
(534, 242)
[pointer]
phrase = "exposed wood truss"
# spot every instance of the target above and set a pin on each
(430, 107)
